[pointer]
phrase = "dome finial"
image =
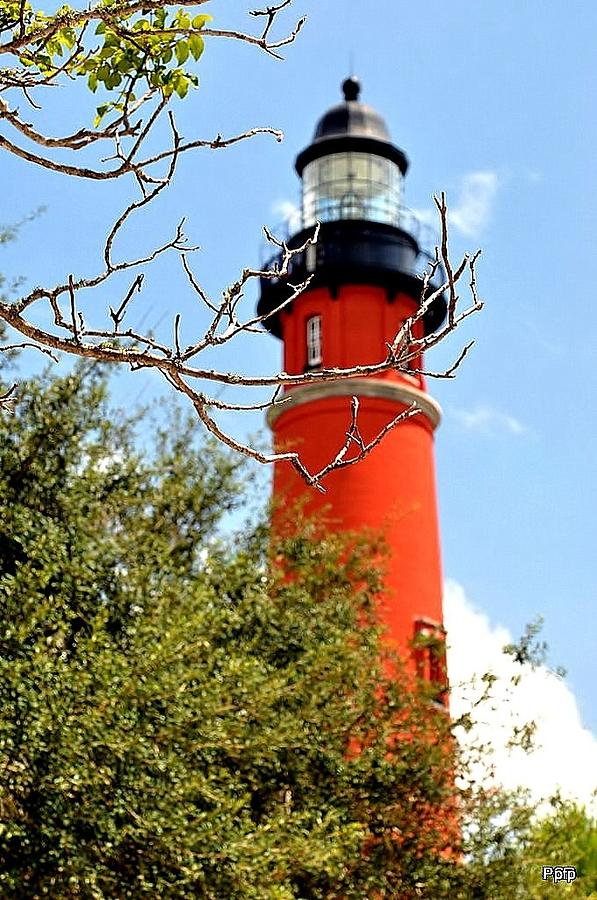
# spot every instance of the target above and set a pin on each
(351, 88)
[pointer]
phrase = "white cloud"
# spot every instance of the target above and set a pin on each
(473, 209)
(534, 175)
(471, 212)
(287, 212)
(109, 461)
(565, 752)
(101, 463)
(487, 421)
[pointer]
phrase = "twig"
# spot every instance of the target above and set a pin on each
(5, 348)
(73, 312)
(353, 436)
(118, 315)
(8, 400)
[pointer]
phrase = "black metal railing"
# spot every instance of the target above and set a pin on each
(425, 235)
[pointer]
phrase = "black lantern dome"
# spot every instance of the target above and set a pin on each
(352, 117)
(351, 125)
(352, 185)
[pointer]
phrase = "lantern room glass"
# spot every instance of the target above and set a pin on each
(351, 186)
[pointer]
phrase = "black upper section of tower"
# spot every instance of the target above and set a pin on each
(356, 244)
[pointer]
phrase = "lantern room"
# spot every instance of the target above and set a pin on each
(351, 170)
(352, 184)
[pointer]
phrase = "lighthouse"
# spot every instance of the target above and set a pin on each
(364, 280)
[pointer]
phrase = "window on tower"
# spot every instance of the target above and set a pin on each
(430, 655)
(314, 354)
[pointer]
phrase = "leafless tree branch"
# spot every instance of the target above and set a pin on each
(129, 131)
(353, 438)
(396, 358)
(140, 350)
(6, 348)
(8, 399)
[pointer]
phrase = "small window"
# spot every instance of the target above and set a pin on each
(430, 655)
(314, 356)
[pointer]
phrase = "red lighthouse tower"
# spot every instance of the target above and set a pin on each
(365, 281)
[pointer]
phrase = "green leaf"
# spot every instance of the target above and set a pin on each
(67, 37)
(200, 21)
(101, 112)
(182, 86)
(197, 45)
(92, 82)
(182, 51)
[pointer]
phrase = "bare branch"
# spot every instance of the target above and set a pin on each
(138, 204)
(195, 284)
(451, 370)
(172, 363)
(5, 348)
(127, 166)
(275, 400)
(341, 460)
(9, 398)
(77, 141)
(353, 437)
(130, 132)
(177, 335)
(118, 315)
(73, 313)
(262, 40)
(144, 358)
(217, 143)
(201, 404)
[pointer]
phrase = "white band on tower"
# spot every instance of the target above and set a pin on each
(404, 394)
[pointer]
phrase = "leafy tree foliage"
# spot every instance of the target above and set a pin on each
(507, 840)
(184, 715)
(131, 50)
(566, 837)
(176, 717)
(135, 50)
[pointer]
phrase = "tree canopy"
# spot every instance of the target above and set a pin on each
(181, 715)
(176, 715)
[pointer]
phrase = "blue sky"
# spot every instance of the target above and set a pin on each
(496, 105)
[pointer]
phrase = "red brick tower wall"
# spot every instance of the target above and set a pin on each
(392, 490)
